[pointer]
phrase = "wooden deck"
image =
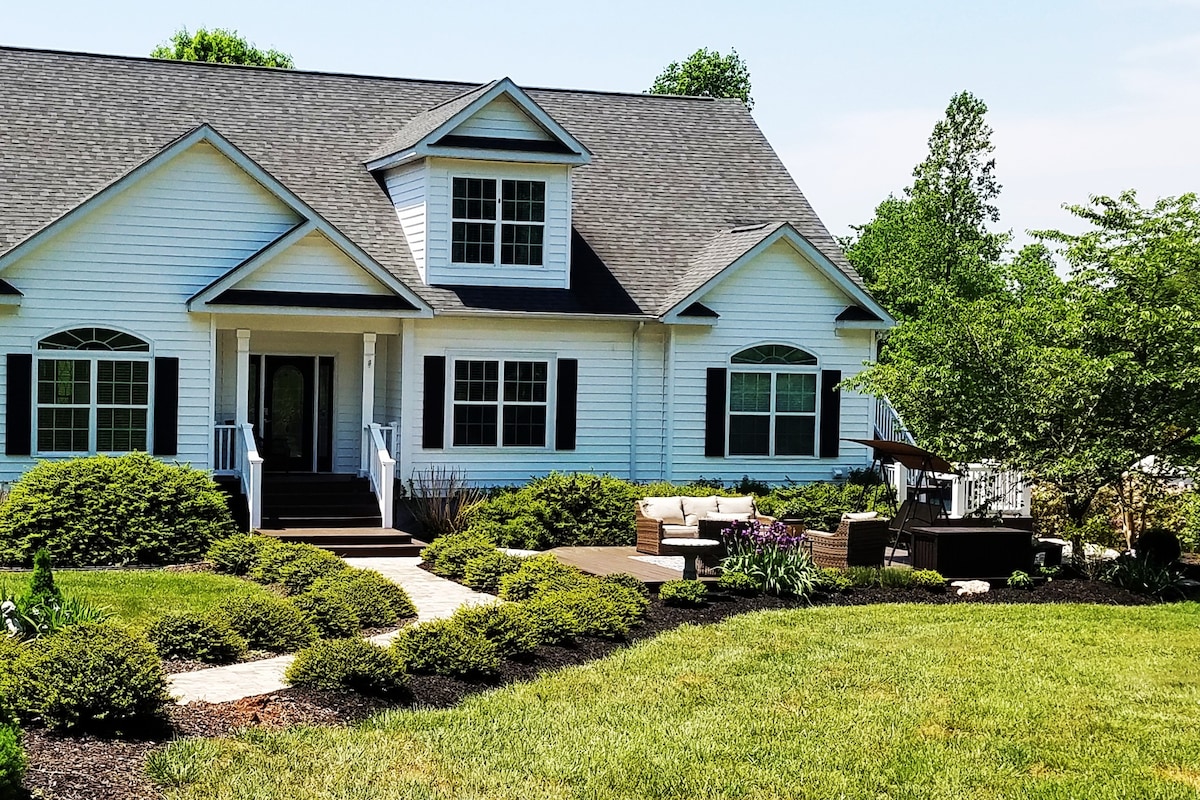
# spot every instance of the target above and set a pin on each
(608, 560)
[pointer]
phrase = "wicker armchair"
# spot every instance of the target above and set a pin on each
(855, 543)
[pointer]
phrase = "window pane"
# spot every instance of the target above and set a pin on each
(749, 391)
(525, 381)
(794, 436)
(62, 430)
(119, 430)
(749, 435)
(796, 393)
(473, 243)
(474, 198)
(122, 383)
(524, 426)
(64, 382)
(521, 245)
(474, 426)
(476, 381)
(523, 201)
(93, 339)
(781, 354)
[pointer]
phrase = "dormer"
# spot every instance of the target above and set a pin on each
(482, 188)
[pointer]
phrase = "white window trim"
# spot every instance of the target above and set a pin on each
(774, 370)
(498, 222)
(93, 356)
(551, 363)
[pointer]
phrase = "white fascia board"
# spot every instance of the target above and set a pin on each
(861, 325)
(10, 299)
(305, 311)
(394, 160)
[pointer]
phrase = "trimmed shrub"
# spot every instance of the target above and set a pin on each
(539, 574)
(91, 677)
(554, 617)
(270, 623)
(833, 580)
(196, 636)
(353, 665)
(448, 555)
(483, 572)
(628, 581)
(598, 614)
(687, 594)
(11, 651)
(509, 625)
(377, 601)
(237, 554)
(333, 616)
(12, 762)
(928, 579)
(295, 566)
(629, 601)
(133, 509)
(738, 583)
(446, 647)
(42, 590)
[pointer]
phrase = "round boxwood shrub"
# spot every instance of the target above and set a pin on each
(196, 636)
(294, 566)
(332, 615)
(268, 622)
(353, 665)
(688, 594)
(12, 762)
(484, 572)
(554, 617)
(628, 581)
(446, 647)
(539, 574)
(95, 677)
(739, 583)
(377, 601)
(133, 509)
(509, 625)
(237, 554)
(926, 579)
(448, 555)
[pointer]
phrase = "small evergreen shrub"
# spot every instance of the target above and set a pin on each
(687, 594)
(295, 566)
(863, 577)
(332, 615)
(353, 665)
(1020, 580)
(555, 618)
(446, 647)
(543, 573)
(12, 762)
(448, 555)
(628, 581)
(270, 623)
(926, 579)
(738, 583)
(377, 601)
(237, 554)
(11, 651)
(196, 636)
(132, 509)
(509, 625)
(630, 602)
(598, 614)
(484, 572)
(833, 580)
(42, 590)
(91, 677)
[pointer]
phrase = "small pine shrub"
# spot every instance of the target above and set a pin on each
(270, 623)
(555, 618)
(926, 579)
(237, 554)
(484, 572)
(376, 601)
(11, 651)
(543, 573)
(132, 509)
(12, 762)
(295, 566)
(353, 665)
(448, 555)
(446, 647)
(196, 636)
(42, 590)
(598, 614)
(1020, 580)
(628, 581)
(833, 580)
(332, 615)
(687, 594)
(92, 677)
(739, 583)
(509, 625)
(631, 602)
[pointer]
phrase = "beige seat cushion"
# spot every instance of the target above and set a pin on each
(697, 508)
(859, 516)
(736, 505)
(680, 531)
(729, 517)
(668, 510)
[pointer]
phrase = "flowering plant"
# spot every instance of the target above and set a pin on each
(771, 554)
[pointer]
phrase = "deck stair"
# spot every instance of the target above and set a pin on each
(307, 500)
(354, 542)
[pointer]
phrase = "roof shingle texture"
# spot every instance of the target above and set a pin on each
(667, 177)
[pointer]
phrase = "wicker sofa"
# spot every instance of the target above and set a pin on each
(661, 518)
(859, 541)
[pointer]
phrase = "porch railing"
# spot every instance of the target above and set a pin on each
(985, 487)
(236, 453)
(225, 452)
(888, 424)
(381, 467)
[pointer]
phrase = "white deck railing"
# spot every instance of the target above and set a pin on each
(991, 489)
(250, 466)
(381, 467)
(225, 457)
(888, 424)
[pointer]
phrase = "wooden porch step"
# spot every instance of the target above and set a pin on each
(354, 542)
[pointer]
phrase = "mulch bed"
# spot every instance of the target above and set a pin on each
(87, 768)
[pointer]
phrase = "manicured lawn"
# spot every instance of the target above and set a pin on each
(889, 701)
(138, 596)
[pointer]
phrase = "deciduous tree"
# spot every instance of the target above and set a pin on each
(219, 46)
(707, 73)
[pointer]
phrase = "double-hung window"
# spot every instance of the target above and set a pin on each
(500, 403)
(773, 402)
(93, 392)
(505, 227)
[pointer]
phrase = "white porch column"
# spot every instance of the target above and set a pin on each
(368, 394)
(408, 394)
(242, 414)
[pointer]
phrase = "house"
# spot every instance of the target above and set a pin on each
(263, 271)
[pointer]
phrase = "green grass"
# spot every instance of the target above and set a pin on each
(898, 701)
(136, 597)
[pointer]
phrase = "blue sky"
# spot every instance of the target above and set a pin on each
(1085, 96)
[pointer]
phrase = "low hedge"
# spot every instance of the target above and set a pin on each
(333, 617)
(198, 637)
(689, 594)
(447, 647)
(294, 566)
(353, 665)
(270, 623)
(484, 572)
(377, 601)
(508, 625)
(448, 554)
(538, 575)
(237, 554)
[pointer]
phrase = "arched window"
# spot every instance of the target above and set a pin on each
(772, 402)
(93, 392)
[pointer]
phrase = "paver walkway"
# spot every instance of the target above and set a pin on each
(434, 598)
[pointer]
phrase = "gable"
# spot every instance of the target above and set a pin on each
(312, 264)
(501, 119)
(777, 278)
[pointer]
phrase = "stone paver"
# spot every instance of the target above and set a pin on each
(434, 598)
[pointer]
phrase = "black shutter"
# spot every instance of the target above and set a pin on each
(714, 413)
(831, 413)
(166, 406)
(18, 411)
(433, 422)
(565, 414)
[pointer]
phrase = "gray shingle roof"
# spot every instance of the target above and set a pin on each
(427, 122)
(668, 174)
(718, 253)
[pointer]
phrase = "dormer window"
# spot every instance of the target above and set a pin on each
(518, 210)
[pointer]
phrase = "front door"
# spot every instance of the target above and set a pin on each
(288, 428)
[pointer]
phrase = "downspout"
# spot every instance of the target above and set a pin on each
(633, 402)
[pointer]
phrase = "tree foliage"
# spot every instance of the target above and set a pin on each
(707, 73)
(219, 46)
